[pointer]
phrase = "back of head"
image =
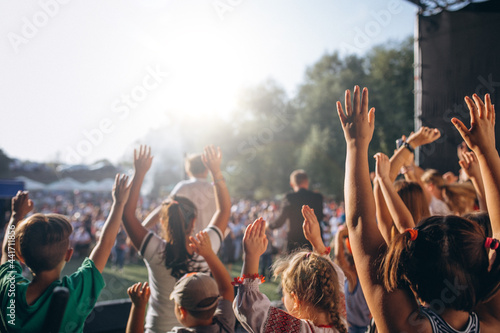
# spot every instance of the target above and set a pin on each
(432, 176)
(194, 166)
(298, 178)
(177, 218)
(446, 265)
(483, 219)
(314, 280)
(461, 197)
(414, 198)
(43, 240)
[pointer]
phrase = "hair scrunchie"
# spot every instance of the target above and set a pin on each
(413, 233)
(491, 243)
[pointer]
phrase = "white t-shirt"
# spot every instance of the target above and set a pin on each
(439, 207)
(160, 316)
(201, 193)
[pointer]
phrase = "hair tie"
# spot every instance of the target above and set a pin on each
(491, 243)
(413, 233)
(308, 254)
(174, 202)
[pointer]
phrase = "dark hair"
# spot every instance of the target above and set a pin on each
(43, 240)
(177, 217)
(448, 255)
(195, 165)
(483, 219)
(298, 177)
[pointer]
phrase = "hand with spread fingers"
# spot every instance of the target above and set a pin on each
(142, 160)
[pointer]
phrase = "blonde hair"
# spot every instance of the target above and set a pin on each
(460, 197)
(314, 280)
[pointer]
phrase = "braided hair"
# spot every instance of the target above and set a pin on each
(314, 280)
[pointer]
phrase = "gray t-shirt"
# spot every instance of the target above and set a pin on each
(224, 321)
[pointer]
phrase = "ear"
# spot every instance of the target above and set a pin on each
(183, 312)
(296, 301)
(69, 254)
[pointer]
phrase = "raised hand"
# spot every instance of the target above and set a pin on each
(201, 244)
(311, 228)
(212, 158)
(139, 294)
(142, 159)
(121, 189)
(255, 240)
(357, 122)
(470, 165)
(423, 136)
(21, 205)
(382, 166)
(480, 137)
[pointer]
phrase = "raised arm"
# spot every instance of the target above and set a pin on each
(470, 165)
(21, 206)
(139, 295)
(390, 310)
(312, 231)
(135, 230)
(152, 219)
(201, 245)
(212, 158)
(254, 245)
(480, 138)
(101, 251)
(341, 260)
(399, 212)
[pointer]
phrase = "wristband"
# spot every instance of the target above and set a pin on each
(407, 146)
(218, 180)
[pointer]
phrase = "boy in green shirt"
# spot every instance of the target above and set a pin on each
(41, 241)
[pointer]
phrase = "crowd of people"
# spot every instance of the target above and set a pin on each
(413, 251)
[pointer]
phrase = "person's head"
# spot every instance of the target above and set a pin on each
(196, 296)
(433, 182)
(461, 198)
(299, 179)
(481, 218)
(194, 166)
(445, 262)
(310, 285)
(414, 198)
(177, 218)
(42, 241)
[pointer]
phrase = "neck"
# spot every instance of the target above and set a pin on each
(318, 318)
(456, 319)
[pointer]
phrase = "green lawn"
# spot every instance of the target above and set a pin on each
(118, 282)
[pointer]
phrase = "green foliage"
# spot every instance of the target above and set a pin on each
(272, 135)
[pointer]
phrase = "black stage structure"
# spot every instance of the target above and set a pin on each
(457, 53)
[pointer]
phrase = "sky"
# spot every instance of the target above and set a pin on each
(85, 80)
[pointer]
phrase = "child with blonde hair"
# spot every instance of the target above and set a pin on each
(312, 286)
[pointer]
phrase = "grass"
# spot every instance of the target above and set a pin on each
(118, 282)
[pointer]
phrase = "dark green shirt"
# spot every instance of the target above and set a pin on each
(84, 287)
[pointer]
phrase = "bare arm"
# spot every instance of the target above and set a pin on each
(470, 165)
(384, 219)
(135, 230)
(101, 251)
(340, 259)
(254, 245)
(201, 244)
(21, 206)
(391, 310)
(399, 212)
(212, 158)
(139, 295)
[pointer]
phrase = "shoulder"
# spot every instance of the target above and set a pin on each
(281, 321)
(86, 272)
(224, 314)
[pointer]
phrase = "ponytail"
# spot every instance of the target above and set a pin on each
(177, 220)
(396, 260)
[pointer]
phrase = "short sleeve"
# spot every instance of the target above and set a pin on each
(225, 315)
(152, 248)
(215, 237)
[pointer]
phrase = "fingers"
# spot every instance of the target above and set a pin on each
(474, 114)
(364, 100)
(479, 105)
(459, 125)
(347, 103)
(341, 114)
(488, 107)
(357, 104)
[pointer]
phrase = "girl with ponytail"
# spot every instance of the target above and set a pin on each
(445, 263)
(169, 257)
